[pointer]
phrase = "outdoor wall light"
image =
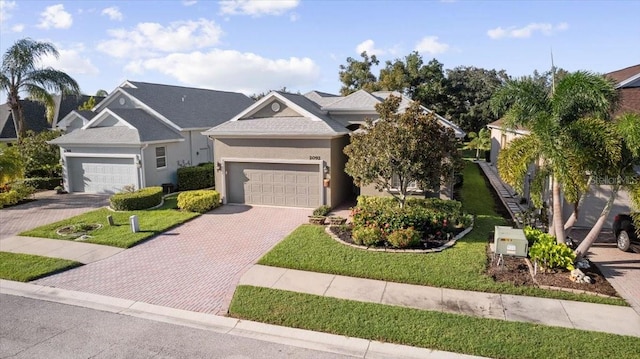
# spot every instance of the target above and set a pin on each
(325, 169)
(219, 166)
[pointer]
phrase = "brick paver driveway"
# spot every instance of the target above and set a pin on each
(622, 269)
(195, 266)
(48, 208)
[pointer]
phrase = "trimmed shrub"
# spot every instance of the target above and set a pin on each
(9, 198)
(141, 199)
(367, 236)
(42, 182)
(196, 177)
(17, 193)
(199, 201)
(322, 211)
(404, 238)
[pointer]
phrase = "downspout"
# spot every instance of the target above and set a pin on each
(141, 169)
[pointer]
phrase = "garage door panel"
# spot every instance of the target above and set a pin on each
(277, 184)
(101, 175)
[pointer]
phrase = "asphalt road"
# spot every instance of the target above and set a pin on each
(32, 328)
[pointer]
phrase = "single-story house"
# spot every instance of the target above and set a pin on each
(140, 134)
(35, 115)
(287, 149)
(628, 85)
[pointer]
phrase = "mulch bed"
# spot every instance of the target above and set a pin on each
(516, 271)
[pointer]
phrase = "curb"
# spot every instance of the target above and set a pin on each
(357, 347)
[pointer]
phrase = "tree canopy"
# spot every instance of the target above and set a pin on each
(461, 94)
(21, 73)
(401, 149)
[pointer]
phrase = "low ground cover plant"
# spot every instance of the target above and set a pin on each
(547, 252)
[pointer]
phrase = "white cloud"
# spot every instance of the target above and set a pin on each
(431, 45)
(17, 28)
(6, 7)
(71, 60)
(234, 71)
(369, 47)
(189, 2)
(257, 7)
(526, 31)
(113, 13)
(55, 16)
(148, 38)
(294, 17)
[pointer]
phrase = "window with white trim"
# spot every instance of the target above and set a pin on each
(395, 184)
(161, 157)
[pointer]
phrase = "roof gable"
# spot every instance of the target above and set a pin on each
(360, 100)
(623, 74)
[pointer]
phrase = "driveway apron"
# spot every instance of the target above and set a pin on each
(195, 266)
(48, 208)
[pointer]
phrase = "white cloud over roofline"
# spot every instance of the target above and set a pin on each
(150, 38)
(526, 31)
(113, 13)
(257, 8)
(56, 17)
(234, 71)
(431, 45)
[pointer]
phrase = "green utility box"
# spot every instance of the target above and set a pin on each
(510, 242)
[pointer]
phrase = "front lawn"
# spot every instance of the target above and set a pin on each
(435, 330)
(152, 222)
(27, 267)
(460, 267)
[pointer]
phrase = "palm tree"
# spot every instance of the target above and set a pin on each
(21, 74)
(480, 141)
(548, 114)
(627, 129)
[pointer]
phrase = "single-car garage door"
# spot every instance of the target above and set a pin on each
(275, 184)
(101, 175)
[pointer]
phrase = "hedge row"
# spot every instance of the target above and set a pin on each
(42, 183)
(140, 199)
(15, 194)
(196, 177)
(200, 201)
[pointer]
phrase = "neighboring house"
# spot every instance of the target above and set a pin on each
(140, 135)
(628, 86)
(35, 115)
(287, 149)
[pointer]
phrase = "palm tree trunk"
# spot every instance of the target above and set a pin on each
(568, 225)
(17, 113)
(597, 227)
(558, 223)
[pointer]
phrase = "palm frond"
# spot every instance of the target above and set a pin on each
(53, 80)
(583, 93)
(39, 94)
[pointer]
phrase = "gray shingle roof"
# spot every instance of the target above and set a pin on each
(190, 107)
(275, 126)
(154, 130)
(320, 125)
(322, 98)
(359, 100)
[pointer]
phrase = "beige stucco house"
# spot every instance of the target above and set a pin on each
(628, 85)
(287, 149)
(140, 134)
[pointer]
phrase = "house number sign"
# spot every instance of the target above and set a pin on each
(315, 158)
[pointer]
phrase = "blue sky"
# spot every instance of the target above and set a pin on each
(254, 46)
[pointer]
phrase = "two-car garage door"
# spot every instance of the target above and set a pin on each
(275, 184)
(101, 175)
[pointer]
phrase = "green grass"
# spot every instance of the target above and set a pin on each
(436, 330)
(27, 267)
(460, 267)
(152, 222)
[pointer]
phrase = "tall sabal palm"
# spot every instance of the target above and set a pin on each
(548, 113)
(480, 141)
(21, 74)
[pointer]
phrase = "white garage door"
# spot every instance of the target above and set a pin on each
(101, 175)
(274, 184)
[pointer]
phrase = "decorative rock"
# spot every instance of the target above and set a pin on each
(583, 264)
(576, 276)
(587, 279)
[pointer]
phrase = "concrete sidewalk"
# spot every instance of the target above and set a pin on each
(553, 312)
(356, 347)
(57, 248)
